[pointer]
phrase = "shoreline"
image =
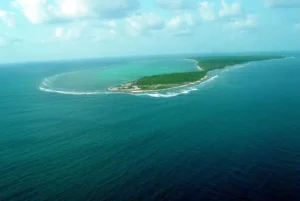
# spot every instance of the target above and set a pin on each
(143, 91)
(201, 69)
(193, 60)
(181, 86)
(206, 77)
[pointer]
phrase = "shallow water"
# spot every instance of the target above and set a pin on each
(98, 80)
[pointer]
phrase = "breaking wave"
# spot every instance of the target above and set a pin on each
(51, 85)
(47, 86)
(177, 92)
(290, 57)
(72, 92)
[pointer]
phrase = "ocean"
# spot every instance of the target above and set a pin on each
(234, 137)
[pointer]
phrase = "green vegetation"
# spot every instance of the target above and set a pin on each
(172, 80)
(213, 63)
(153, 87)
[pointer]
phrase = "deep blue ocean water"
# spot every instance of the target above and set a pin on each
(235, 137)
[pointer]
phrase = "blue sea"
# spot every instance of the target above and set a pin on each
(63, 136)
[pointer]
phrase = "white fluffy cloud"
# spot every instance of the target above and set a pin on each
(180, 25)
(37, 11)
(230, 10)
(91, 31)
(151, 23)
(207, 11)
(176, 4)
(7, 18)
(144, 23)
(69, 32)
(282, 3)
(45, 11)
(247, 23)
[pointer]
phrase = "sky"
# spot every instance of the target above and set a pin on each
(38, 30)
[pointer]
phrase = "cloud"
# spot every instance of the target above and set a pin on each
(69, 33)
(105, 31)
(210, 12)
(176, 4)
(230, 10)
(37, 11)
(6, 39)
(2, 42)
(96, 31)
(250, 22)
(7, 18)
(150, 23)
(207, 11)
(59, 32)
(46, 11)
(145, 23)
(180, 25)
(111, 24)
(100, 35)
(297, 26)
(282, 3)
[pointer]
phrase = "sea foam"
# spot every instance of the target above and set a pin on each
(72, 92)
(183, 91)
(48, 82)
(47, 86)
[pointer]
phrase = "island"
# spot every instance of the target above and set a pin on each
(178, 80)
